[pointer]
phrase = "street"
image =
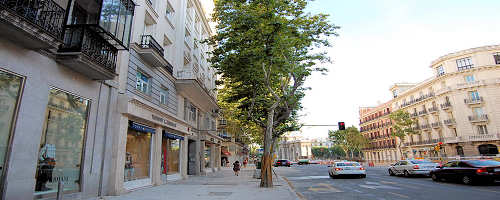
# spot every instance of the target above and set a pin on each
(312, 182)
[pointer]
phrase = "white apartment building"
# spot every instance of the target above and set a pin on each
(167, 106)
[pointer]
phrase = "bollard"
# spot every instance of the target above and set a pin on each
(60, 191)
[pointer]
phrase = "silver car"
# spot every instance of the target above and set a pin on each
(408, 168)
(346, 168)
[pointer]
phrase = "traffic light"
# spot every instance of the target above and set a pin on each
(341, 126)
(438, 147)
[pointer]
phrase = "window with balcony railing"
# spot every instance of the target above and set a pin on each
(464, 63)
(496, 56)
(170, 12)
(440, 70)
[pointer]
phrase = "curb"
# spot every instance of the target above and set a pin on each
(292, 189)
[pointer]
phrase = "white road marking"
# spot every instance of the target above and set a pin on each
(323, 187)
(308, 177)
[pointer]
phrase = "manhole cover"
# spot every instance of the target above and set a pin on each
(222, 194)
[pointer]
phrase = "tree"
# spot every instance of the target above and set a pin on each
(402, 125)
(263, 51)
(350, 140)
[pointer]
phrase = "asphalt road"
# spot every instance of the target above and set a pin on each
(312, 182)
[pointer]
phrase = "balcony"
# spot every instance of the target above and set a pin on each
(33, 24)
(433, 110)
(471, 84)
(446, 106)
(443, 90)
(472, 101)
(413, 115)
(449, 140)
(152, 52)
(478, 118)
(425, 127)
(436, 125)
(423, 112)
(424, 142)
(449, 122)
(84, 50)
(478, 138)
(191, 84)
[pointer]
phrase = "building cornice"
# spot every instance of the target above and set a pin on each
(464, 52)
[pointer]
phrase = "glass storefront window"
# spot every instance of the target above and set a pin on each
(10, 89)
(170, 156)
(61, 145)
(138, 155)
(207, 156)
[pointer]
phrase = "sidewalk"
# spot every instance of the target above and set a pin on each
(215, 186)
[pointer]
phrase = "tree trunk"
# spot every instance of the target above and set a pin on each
(266, 170)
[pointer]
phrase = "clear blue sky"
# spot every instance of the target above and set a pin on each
(386, 41)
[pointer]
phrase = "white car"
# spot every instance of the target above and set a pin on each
(412, 167)
(347, 168)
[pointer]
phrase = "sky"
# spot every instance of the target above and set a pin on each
(382, 42)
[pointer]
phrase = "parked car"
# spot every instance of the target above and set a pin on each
(346, 168)
(286, 163)
(409, 168)
(303, 161)
(468, 171)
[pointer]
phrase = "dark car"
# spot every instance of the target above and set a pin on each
(286, 163)
(468, 171)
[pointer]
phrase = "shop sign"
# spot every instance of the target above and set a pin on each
(163, 121)
(141, 128)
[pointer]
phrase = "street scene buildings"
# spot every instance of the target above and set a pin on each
(118, 95)
(457, 108)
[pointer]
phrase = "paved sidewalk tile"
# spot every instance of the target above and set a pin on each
(220, 185)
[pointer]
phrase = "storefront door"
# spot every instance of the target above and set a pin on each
(170, 157)
(10, 90)
(138, 155)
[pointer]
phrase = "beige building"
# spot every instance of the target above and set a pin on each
(294, 148)
(459, 107)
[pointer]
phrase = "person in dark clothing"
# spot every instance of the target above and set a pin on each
(236, 168)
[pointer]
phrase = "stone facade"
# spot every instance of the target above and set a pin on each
(457, 108)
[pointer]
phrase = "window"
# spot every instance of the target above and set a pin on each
(464, 63)
(440, 70)
(61, 143)
(478, 111)
(474, 95)
(10, 89)
(170, 13)
(496, 56)
(163, 95)
(482, 130)
(469, 78)
(142, 82)
(192, 113)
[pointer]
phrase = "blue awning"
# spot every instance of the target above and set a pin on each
(140, 127)
(172, 136)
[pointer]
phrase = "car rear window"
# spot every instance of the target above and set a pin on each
(347, 164)
(483, 163)
(420, 161)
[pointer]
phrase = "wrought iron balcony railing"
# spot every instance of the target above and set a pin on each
(433, 109)
(46, 14)
(449, 122)
(474, 100)
(423, 112)
(147, 41)
(84, 38)
(446, 105)
(478, 118)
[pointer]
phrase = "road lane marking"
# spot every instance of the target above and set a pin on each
(302, 197)
(307, 177)
(399, 195)
(323, 187)
(485, 190)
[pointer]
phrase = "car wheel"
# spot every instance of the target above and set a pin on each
(406, 173)
(467, 180)
(391, 173)
(435, 177)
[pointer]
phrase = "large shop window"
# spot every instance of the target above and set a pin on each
(138, 152)
(61, 145)
(10, 89)
(207, 156)
(170, 155)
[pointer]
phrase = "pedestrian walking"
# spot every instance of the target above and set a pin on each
(245, 163)
(236, 168)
